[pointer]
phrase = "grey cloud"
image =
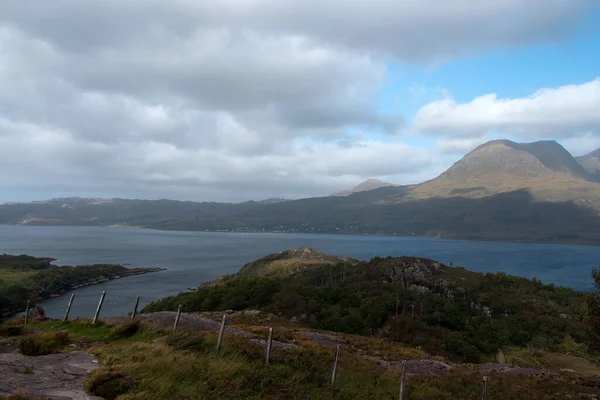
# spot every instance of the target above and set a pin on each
(227, 100)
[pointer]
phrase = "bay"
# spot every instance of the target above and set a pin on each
(192, 258)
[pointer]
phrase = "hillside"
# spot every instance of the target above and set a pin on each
(545, 169)
(447, 311)
(451, 327)
(591, 163)
(369, 184)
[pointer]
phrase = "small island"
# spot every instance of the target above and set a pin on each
(24, 278)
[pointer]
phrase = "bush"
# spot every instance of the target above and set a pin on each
(11, 330)
(109, 385)
(43, 343)
(125, 330)
(188, 340)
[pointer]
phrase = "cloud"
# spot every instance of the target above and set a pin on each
(228, 100)
(564, 112)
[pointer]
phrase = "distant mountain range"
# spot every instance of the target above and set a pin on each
(502, 190)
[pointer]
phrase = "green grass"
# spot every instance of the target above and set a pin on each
(77, 329)
(10, 276)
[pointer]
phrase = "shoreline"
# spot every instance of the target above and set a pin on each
(130, 272)
(449, 237)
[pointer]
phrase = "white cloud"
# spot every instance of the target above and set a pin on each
(563, 112)
(229, 100)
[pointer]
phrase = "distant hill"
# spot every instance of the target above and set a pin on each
(500, 191)
(545, 169)
(591, 163)
(369, 184)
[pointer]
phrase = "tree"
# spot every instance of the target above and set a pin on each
(593, 303)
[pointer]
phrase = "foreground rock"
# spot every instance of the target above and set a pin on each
(54, 377)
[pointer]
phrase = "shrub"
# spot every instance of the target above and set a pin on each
(11, 330)
(125, 330)
(43, 343)
(109, 385)
(188, 340)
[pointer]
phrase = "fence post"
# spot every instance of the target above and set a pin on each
(99, 307)
(484, 389)
(134, 313)
(27, 313)
(221, 332)
(413, 310)
(335, 364)
(269, 343)
(177, 318)
(402, 375)
(69, 307)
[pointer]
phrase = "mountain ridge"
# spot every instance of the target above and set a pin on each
(500, 191)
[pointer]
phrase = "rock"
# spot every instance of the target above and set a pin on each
(55, 376)
(37, 312)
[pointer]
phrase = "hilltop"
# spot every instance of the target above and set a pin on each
(289, 262)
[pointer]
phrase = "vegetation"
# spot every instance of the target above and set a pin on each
(25, 278)
(593, 305)
(447, 311)
(158, 364)
(44, 343)
(515, 215)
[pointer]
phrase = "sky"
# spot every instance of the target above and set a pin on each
(251, 99)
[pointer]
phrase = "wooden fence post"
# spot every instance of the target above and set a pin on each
(99, 307)
(135, 306)
(402, 375)
(27, 313)
(69, 307)
(221, 332)
(269, 343)
(335, 364)
(177, 318)
(484, 388)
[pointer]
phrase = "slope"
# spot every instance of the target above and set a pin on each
(591, 163)
(545, 169)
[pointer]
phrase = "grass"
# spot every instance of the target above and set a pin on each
(44, 343)
(143, 362)
(11, 276)
(78, 328)
(551, 361)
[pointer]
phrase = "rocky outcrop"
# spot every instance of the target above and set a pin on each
(55, 376)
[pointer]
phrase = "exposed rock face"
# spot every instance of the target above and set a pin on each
(409, 270)
(54, 377)
(37, 312)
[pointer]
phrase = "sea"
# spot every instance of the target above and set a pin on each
(192, 258)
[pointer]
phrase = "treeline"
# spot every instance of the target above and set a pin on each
(452, 312)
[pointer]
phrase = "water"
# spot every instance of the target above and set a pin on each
(193, 258)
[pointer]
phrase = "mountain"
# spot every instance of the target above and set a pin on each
(369, 184)
(500, 191)
(545, 169)
(591, 163)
